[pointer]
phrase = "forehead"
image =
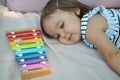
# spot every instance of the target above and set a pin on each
(52, 19)
(49, 24)
(55, 15)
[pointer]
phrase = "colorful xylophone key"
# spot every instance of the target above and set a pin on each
(30, 52)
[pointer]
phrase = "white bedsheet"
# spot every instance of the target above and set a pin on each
(68, 62)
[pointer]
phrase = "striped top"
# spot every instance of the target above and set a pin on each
(112, 17)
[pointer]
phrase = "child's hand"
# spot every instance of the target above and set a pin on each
(115, 62)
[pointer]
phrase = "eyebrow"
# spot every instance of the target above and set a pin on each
(57, 23)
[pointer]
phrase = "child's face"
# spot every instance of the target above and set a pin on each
(64, 26)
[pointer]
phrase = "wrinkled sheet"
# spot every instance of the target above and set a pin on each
(67, 62)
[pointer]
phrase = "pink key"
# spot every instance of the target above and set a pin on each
(33, 66)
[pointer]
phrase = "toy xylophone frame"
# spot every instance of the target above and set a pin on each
(26, 75)
(35, 73)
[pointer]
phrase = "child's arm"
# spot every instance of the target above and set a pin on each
(96, 35)
(110, 53)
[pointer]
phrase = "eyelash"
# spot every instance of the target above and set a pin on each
(62, 26)
(58, 36)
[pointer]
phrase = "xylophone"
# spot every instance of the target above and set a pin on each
(30, 52)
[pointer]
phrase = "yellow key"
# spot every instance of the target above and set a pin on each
(19, 41)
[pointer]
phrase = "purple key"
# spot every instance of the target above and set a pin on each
(33, 61)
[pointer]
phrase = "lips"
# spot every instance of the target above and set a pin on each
(68, 36)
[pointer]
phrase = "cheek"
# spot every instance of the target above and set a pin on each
(48, 29)
(72, 28)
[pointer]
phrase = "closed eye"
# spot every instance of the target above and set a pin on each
(58, 36)
(62, 26)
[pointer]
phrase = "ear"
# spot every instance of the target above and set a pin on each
(76, 11)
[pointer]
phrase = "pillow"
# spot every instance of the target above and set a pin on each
(26, 5)
(37, 5)
(106, 3)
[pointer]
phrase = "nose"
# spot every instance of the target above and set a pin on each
(67, 36)
(61, 33)
(64, 34)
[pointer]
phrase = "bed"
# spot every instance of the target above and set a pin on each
(67, 62)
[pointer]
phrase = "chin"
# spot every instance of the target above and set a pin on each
(75, 41)
(69, 42)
